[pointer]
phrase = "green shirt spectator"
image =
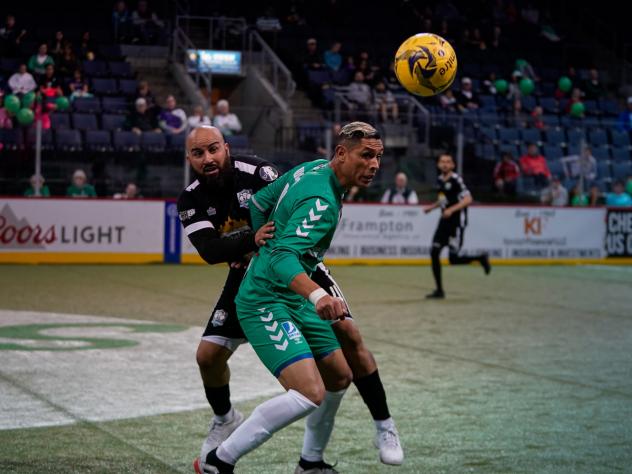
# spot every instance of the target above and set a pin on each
(44, 191)
(38, 62)
(80, 186)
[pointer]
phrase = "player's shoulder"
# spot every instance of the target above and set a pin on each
(458, 178)
(255, 167)
(188, 194)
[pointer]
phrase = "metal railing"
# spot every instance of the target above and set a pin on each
(262, 56)
(179, 54)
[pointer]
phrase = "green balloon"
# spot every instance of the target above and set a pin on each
(565, 84)
(12, 103)
(25, 116)
(62, 103)
(577, 109)
(28, 99)
(501, 86)
(526, 86)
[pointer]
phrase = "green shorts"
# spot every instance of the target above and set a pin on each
(282, 335)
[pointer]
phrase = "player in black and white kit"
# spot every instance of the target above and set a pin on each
(215, 216)
(453, 199)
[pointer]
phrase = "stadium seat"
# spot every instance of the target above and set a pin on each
(597, 137)
(552, 152)
(176, 142)
(551, 121)
(128, 87)
(488, 134)
(68, 140)
(318, 77)
(528, 103)
(549, 105)
(609, 107)
(556, 137)
(238, 141)
(576, 136)
(531, 135)
(9, 65)
(98, 140)
(121, 69)
(488, 102)
(620, 154)
(621, 170)
(603, 170)
(102, 86)
(509, 148)
(112, 122)
(509, 135)
(111, 52)
(47, 138)
(126, 141)
(620, 139)
(59, 120)
(96, 68)
(89, 105)
(556, 167)
(12, 138)
(153, 142)
(84, 122)
(601, 152)
(485, 151)
(341, 76)
(115, 105)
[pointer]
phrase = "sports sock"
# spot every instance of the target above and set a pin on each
(436, 267)
(219, 399)
(383, 425)
(372, 392)
(265, 420)
(319, 425)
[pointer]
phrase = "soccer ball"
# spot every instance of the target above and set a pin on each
(425, 64)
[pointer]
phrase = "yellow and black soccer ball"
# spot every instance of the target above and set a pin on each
(425, 64)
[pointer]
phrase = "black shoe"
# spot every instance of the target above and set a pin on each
(214, 464)
(485, 263)
(436, 295)
(317, 467)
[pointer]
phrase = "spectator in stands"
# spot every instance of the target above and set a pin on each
(143, 92)
(38, 62)
(80, 186)
(227, 122)
(57, 45)
(359, 94)
(518, 116)
(400, 193)
(534, 164)
(131, 192)
(269, 22)
(198, 117)
(514, 86)
(44, 191)
(556, 194)
(624, 122)
(628, 185)
(49, 83)
(333, 58)
(618, 197)
(148, 28)
(22, 81)
(391, 78)
(172, 119)
(578, 197)
(67, 64)
(86, 47)
(582, 166)
(5, 116)
(121, 22)
(78, 87)
(356, 194)
(526, 69)
(366, 66)
(141, 119)
(385, 102)
(466, 98)
(448, 101)
(576, 97)
(593, 88)
(506, 174)
(489, 84)
(350, 64)
(496, 41)
(10, 38)
(537, 120)
(530, 13)
(312, 60)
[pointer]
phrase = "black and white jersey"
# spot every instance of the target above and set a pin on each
(216, 218)
(451, 191)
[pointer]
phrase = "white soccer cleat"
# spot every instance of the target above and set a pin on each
(387, 441)
(218, 432)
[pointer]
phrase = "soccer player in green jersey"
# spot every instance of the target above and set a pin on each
(287, 316)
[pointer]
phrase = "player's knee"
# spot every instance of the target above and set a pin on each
(340, 379)
(434, 253)
(314, 392)
(349, 336)
(208, 359)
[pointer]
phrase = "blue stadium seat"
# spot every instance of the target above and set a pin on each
(84, 122)
(47, 138)
(620, 154)
(9, 65)
(555, 137)
(597, 137)
(128, 87)
(121, 69)
(509, 135)
(609, 107)
(485, 151)
(603, 170)
(551, 121)
(488, 102)
(576, 136)
(101, 86)
(489, 118)
(601, 153)
(68, 140)
(12, 138)
(126, 141)
(176, 142)
(621, 170)
(531, 135)
(591, 108)
(556, 167)
(509, 148)
(489, 134)
(528, 103)
(238, 141)
(549, 105)
(89, 105)
(620, 139)
(115, 105)
(112, 122)
(111, 52)
(552, 152)
(153, 142)
(98, 140)
(59, 120)
(96, 68)
(318, 77)
(341, 76)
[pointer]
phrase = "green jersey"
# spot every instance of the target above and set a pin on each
(305, 215)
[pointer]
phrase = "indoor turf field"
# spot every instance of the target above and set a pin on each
(528, 370)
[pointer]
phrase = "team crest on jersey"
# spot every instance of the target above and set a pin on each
(243, 197)
(268, 173)
(211, 211)
(292, 331)
(448, 185)
(219, 318)
(184, 215)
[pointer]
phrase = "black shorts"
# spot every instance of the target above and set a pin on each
(449, 233)
(224, 324)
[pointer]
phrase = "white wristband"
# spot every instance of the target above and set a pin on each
(316, 295)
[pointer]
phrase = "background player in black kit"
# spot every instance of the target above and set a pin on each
(453, 199)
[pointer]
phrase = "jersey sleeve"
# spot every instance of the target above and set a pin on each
(206, 239)
(312, 219)
(263, 201)
(461, 188)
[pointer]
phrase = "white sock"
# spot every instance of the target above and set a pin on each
(383, 425)
(265, 420)
(227, 416)
(319, 425)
